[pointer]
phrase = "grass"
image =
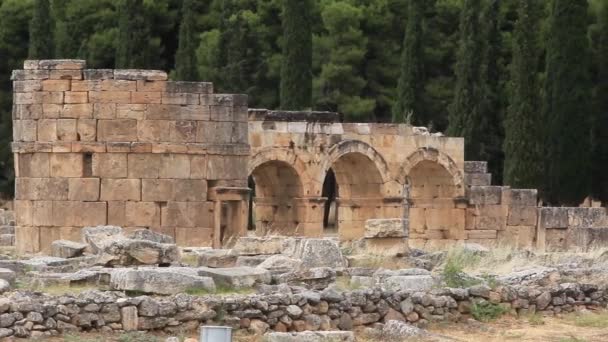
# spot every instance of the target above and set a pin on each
(589, 320)
(190, 259)
(535, 319)
(454, 265)
(486, 311)
(220, 289)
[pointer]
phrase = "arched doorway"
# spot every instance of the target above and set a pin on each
(330, 192)
(276, 188)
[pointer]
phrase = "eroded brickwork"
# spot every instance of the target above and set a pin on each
(126, 148)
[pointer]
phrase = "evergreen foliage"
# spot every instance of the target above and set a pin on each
(466, 111)
(566, 107)
(41, 29)
(523, 122)
(185, 57)
(132, 50)
(296, 71)
(410, 88)
(63, 38)
(600, 136)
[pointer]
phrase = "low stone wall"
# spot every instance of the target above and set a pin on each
(278, 308)
(7, 227)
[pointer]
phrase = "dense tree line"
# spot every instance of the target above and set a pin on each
(525, 82)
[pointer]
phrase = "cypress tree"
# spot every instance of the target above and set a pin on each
(132, 49)
(410, 88)
(523, 122)
(466, 110)
(566, 107)
(600, 125)
(185, 57)
(41, 26)
(296, 70)
(64, 42)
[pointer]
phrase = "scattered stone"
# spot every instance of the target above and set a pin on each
(311, 336)
(126, 252)
(217, 258)
(317, 278)
(8, 275)
(317, 253)
(4, 286)
(399, 330)
(250, 245)
(149, 235)
(278, 264)
(67, 249)
(236, 277)
(537, 275)
(386, 228)
(410, 283)
(97, 237)
(250, 260)
(167, 281)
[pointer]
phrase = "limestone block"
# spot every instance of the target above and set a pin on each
(118, 147)
(478, 179)
(21, 75)
(587, 239)
(177, 112)
(158, 86)
(491, 216)
(180, 98)
(129, 318)
(217, 258)
(110, 96)
(97, 74)
(143, 165)
(202, 213)
(62, 64)
(83, 189)
(158, 190)
(47, 130)
(88, 147)
(29, 86)
(50, 111)
(237, 277)
(556, 240)
(189, 87)
(77, 111)
(67, 249)
(553, 217)
(384, 228)
(62, 147)
(117, 213)
(475, 167)
(66, 130)
(34, 165)
(175, 214)
(137, 74)
(175, 166)
(27, 239)
(190, 190)
(194, 237)
(142, 214)
(42, 213)
(28, 112)
(66, 165)
(153, 130)
(86, 129)
(142, 147)
(104, 85)
(110, 165)
(79, 214)
(131, 111)
(226, 167)
(481, 234)
(25, 130)
(524, 197)
(104, 111)
(24, 211)
(65, 75)
(214, 132)
(121, 190)
(117, 130)
(587, 217)
(76, 97)
(198, 166)
(485, 194)
(182, 131)
(52, 189)
(522, 216)
(166, 280)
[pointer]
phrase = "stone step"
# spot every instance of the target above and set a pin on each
(475, 167)
(471, 179)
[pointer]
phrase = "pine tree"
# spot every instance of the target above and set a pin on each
(296, 71)
(600, 125)
(132, 49)
(566, 107)
(466, 109)
(410, 89)
(41, 26)
(492, 117)
(63, 39)
(185, 57)
(523, 122)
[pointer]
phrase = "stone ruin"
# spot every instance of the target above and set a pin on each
(135, 184)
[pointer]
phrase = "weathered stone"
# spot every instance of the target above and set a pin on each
(160, 280)
(8, 275)
(130, 319)
(4, 286)
(98, 237)
(217, 258)
(317, 253)
(138, 252)
(311, 336)
(411, 283)
(386, 228)
(67, 248)
(259, 245)
(149, 235)
(278, 264)
(400, 330)
(236, 277)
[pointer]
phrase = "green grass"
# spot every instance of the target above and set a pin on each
(190, 259)
(590, 320)
(486, 311)
(454, 264)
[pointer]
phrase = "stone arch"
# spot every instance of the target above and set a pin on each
(431, 158)
(278, 186)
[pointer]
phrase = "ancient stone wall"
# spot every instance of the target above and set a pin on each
(32, 315)
(7, 227)
(126, 148)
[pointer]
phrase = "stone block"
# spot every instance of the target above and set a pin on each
(142, 214)
(175, 166)
(198, 167)
(117, 213)
(190, 190)
(67, 249)
(47, 130)
(117, 130)
(475, 167)
(166, 280)
(66, 130)
(34, 165)
(51, 189)
(237, 277)
(158, 190)
(86, 129)
(153, 130)
(27, 239)
(130, 111)
(21, 75)
(481, 234)
(77, 111)
(24, 211)
(110, 165)
(194, 237)
(104, 110)
(522, 216)
(524, 197)
(146, 97)
(61, 64)
(29, 86)
(25, 130)
(76, 97)
(182, 131)
(217, 258)
(83, 189)
(226, 167)
(157, 86)
(180, 99)
(479, 179)
(177, 112)
(214, 132)
(202, 213)
(129, 318)
(137, 74)
(110, 96)
(42, 213)
(485, 194)
(120, 190)
(553, 217)
(175, 214)
(386, 228)
(143, 165)
(79, 214)
(28, 112)
(490, 216)
(587, 217)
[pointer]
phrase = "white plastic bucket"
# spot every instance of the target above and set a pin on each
(211, 333)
